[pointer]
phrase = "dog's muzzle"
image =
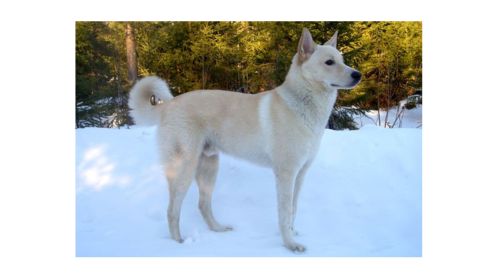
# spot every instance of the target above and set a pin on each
(356, 76)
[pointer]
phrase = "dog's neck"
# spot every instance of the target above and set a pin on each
(312, 104)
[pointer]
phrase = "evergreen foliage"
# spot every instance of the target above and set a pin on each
(239, 56)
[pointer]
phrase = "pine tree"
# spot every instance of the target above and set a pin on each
(239, 56)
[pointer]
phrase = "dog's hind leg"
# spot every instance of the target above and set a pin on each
(179, 170)
(206, 175)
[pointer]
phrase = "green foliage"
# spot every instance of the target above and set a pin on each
(343, 118)
(391, 60)
(100, 80)
(248, 56)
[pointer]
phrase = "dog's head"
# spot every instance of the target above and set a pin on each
(323, 65)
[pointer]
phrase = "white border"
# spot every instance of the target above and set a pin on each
(37, 182)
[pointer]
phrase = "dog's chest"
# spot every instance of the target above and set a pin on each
(314, 109)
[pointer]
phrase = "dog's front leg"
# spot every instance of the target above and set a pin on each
(296, 193)
(285, 180)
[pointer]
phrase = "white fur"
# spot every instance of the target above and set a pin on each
(144, 113)
(264, 118)
(280, 129)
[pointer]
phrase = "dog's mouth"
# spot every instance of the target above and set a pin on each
(352, 85)
(339, 86)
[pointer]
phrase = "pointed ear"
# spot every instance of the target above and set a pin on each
(333, 41)
(306, 45)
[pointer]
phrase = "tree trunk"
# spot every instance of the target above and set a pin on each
(386, 118)
(204, 79)
(388, 95)
(131, 53)
(378, 110)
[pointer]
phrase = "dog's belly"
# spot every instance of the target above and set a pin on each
(245, 148)
(261, 159)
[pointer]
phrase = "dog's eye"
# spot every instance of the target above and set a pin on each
(329, 62)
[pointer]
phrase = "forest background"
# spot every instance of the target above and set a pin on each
(247, 57)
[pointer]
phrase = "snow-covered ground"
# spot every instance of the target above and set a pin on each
(408, 118)
(361, 197)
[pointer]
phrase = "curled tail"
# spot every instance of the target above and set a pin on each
(145, 97)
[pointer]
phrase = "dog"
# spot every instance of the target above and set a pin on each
(280, 129)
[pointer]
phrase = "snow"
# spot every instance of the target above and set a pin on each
(361, 197)
(410, 118)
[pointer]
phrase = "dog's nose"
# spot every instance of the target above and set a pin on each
(356, 75)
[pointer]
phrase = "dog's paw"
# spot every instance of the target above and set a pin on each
(222, 228)
(180, 240)
(228, 228)
(296, 247)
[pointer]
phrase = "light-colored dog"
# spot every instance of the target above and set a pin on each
(280, 128)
